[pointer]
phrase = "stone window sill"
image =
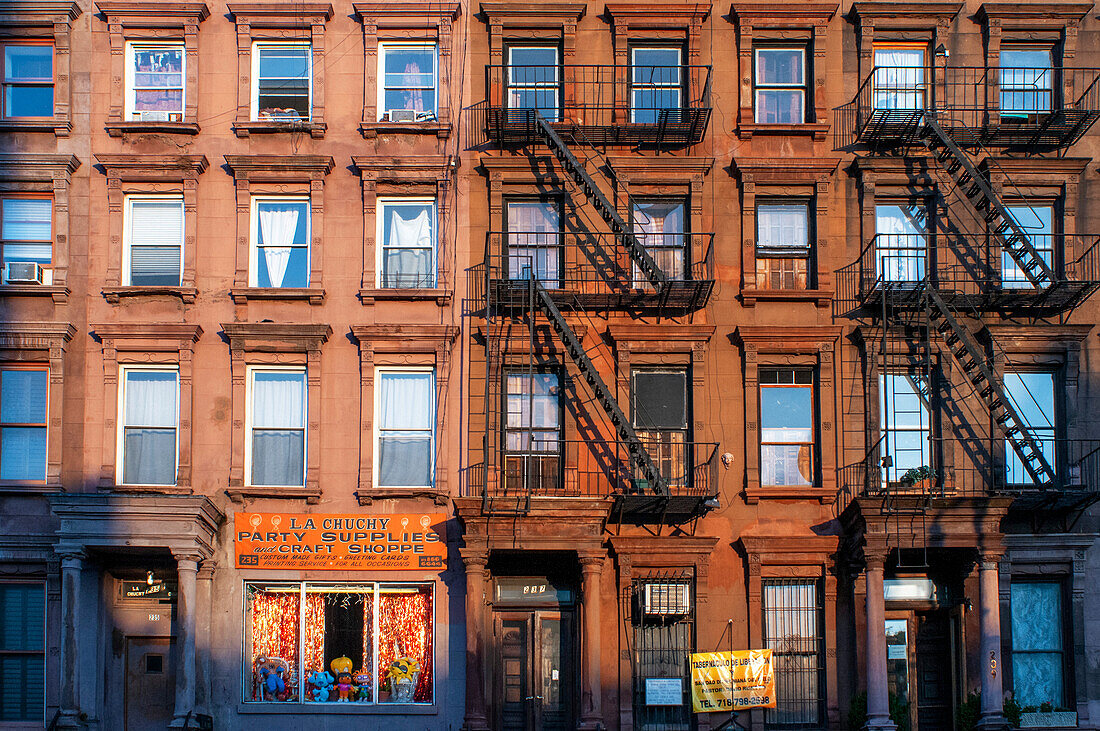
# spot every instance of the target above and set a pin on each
(820, 297)
(15, 487)
(152, 489)
(315, 295)
(243, 128)
(59, 294)
(312, 495)
(115, 294)
(823, 495)
(370, 296)
(367, 496)
(818, 130)
(60, 127)
(373, 129)
(311, 709)
(119, 128)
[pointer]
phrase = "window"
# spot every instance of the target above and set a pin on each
(782, 244)
(904, 421)
(23, 398)
(656, 84)
(663, 615)
(533, 79)
(282, 85)
(534, 241)
(532, 431)
(660, 227)
(28, 80)
(1032, 395)
(386, 631)
(787, 426)
(405, 414)
(1037, 223)
(150, 420)
(22, 651)
(899, 77)
(1038, 643)
(153, 254)
(407, 88)
(277, 438)
(660, 410)
(900, 242)
(155, 82)
(780, 85)
(1026, 82)
(280, 235)
(793, 616)
(407, 230)
(26, 239)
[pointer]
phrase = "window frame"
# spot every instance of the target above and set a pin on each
(5, 83)
(254, 236)
(819, 638)
(45, 426)
(130, 90)
(120, 456)
(662, 452)
(559, 453)
(432, 420)
(655, 86)
(254, 90)
(921, 91)
(1051, 248)
(1054, 85)
(127, 233)
(557, 85)
(804, 253)
(32, 653)
(1043, 435)
(383, 48)
(250, 370)
(47, 278)
(381, 204)
(558, 202)
(642, 236)
(1065, 635)
(815, 467)
(887, 432)
(761, 87)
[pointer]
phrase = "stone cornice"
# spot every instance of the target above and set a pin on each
(770, 14)
(153, 13)
(276, 336)
(784, 548)
(646, 550)
(130, 167)
(531, 14)
(405, 14)
(404, 338)
(40, 13)
(770, 169)
(641, 169)
(35, 335)
(408, 168)
(1037, 166)
(1022, 338)
(771, 339)
(148, 336)
(661, 333)
(1031, 15)
(279, 15)
(905, 14)
(279, 167)
(36, 167)
(656, 15)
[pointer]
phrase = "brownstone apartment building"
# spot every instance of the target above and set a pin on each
(644, 328)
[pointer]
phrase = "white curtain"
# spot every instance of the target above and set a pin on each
(899, 79)
(900, 245)
(405, 401)
(151, 398)
(533, 240)
(278, 400)
(415, 231)
(151, 413)
(782, 226)
(277, 227)
(405, 421)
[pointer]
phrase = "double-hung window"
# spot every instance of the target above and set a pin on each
(656, 83)
(661, 420)
(1032, 395)
(532, 432)
(1026, 82)
(277, 426)
(899, 77)
(1037, 223)
(26, 239)
(280, 236)
(408, 80)
(149, 447)
(23, 400)
(534, 240)
(904, 421)
(793, 621)
(405, 437)
(407, 231)
(282, 81)
(780, 85)
(1038, 643)
(787, 427)
(660, 227)
(155, 82)
(534, 79)
(22, 652)
(900, 242)
(782, 244)
(153, 251)
(28, 80)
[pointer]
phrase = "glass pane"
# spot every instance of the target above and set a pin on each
(647, 103)
(405, 638)
(899, 244)
(780, 106)
(782, 225)
(1033, 395)
(418, 100)
(1036, 616)
(786, 464)
(779, 66)
(1038, 223)
(149, 457)
(28, 63)
(271, 615)
(1037, 678)
(657, 65)
(899, 78)
(660, 400)
(29, 101)
(408, 224)
(405, 400)
(529, 57)
(23, 453)
(151, 398)
(404, 460)
(278, 457)
(786, 414)
(407, 268)
(339, 630)
(158, 101)
(410, 67)
(282, 266)
(156, 221)
(23, 396)
(158, 67)
(284, 62)
(278, 399)
(897, 658)
(27, 219)
(283, 223)
(533, 400)
(155, 266)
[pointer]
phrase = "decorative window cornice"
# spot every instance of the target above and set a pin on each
(152, 167)
(770, 15)
(276, 337)
(770, 169)
(411, 15)
(278, 168)
(1027, 15)
(35, 335)
(42, 13)
(656, 15)
(404, 338)
(637, 169)
(905, 15)
(39, 168)
(531, 15)
(279, 15)
(429, 169)
(155, 337)
(153, 13)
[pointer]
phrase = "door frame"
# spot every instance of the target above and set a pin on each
(954, 617)
(533, 681)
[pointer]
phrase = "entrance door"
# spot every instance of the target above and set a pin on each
(935, 684)
(150, 683)
(535, 674)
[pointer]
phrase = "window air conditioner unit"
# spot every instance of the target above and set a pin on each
(666, 598)
(23, 272)
(151, 116)
(402, 115)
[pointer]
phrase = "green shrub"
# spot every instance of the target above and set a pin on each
(969, 713)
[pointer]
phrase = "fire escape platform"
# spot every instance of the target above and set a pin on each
(672, 128)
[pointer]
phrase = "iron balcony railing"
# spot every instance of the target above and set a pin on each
(590, 270)
(594, 468)
(604, 104)
(1008, 107)
(970, 272)
(975, 468)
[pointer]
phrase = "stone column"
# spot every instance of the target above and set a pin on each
(989, 600)
(203, 644)
(187, 569)
(878, 695)
(72, 564)
(475, 561)
(592, 688)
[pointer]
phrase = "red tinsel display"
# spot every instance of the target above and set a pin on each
(274, 621)
(313, 641)
(405, 628)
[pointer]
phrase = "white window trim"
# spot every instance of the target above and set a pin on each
(127, 218)
(254, 114)
(120, 451)
(777, 86)
(254, 234)
(249, 384)
(634, 86)
(381, 90)
(433, 407)
(6, 366)
(556, 86)
(380, 236)
(131, 48)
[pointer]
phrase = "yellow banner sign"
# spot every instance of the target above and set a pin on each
(732, 681)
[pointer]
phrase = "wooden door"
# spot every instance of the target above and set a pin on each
(934, 677)
(535, 675)
(150, 693)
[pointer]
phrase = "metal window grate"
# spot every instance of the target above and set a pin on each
(662, 609)
(793, 617)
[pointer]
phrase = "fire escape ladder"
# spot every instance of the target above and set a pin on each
(977, 371)
(623, 428)
(976, 188)
(624, 235)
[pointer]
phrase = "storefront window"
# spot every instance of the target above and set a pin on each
(316, 643)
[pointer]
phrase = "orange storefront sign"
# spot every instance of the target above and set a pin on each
(340, 542)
